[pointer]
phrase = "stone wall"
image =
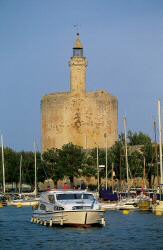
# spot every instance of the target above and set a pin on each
(83, 119)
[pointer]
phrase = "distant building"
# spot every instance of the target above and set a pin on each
(86, 119)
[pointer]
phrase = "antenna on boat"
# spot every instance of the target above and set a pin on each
(35, 167)
(3, 166)
(20, 181)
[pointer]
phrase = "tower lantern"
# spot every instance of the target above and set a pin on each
(78, 48)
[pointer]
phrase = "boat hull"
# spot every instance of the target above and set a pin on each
(158, 208)
(3, 204)
(22, 203)
(144, 205)
(73, 218)
(108, 206)
(126, 207)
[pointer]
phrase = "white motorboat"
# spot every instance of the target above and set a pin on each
(109, 206)
(74, 208)
(127, 204)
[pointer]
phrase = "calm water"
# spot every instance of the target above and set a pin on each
(136, 230)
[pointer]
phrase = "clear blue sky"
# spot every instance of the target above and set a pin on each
(123, 42)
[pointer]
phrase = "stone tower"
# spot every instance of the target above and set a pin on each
(87, 119)
(78, 64)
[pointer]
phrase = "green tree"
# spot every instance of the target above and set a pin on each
(141, 155)
(137, 138)
(52, 166)
(116, 156)
(135, 164)
(71, 161)
(28, 167)
(11, 165)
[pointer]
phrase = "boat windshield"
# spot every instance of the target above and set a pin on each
(74, 196)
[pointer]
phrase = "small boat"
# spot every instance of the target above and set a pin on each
(145, 203)
(127, 204)
(25, 199)
(109, 205)
(73, 208)
(157, 204)
(21, 201)
(157, 207)
(108, 199)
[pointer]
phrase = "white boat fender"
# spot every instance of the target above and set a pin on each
(45, 223)
(61, 222)
(103, 222)
(50, 223)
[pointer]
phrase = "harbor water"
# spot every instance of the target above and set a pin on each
(133, 230)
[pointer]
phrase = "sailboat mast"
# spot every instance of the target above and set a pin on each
(144, 174)
(98, 174)
(3, 166)
(112, 177)
(35, 168)
(20, 180)
(106, 163)
(156, 154)
(160, 139)
(126, 153)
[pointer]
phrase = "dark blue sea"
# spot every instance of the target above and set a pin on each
(137, 230)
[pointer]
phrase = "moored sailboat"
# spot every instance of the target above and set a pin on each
(26, 199)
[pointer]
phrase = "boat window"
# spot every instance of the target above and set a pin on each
(42, 207)
(51, 198)
(88, 196)
(74, 196)
(78, 196)
(66, 197)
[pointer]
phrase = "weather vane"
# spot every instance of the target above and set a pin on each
(76, 26)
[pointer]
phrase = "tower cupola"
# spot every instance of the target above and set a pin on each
(78, 48)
